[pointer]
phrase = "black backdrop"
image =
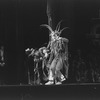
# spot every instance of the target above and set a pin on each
(20, 22)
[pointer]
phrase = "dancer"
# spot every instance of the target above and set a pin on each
(58, 60)
(40, 57)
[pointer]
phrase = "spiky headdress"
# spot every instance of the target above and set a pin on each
(57, 30)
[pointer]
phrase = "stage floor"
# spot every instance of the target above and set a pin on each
(86, 91)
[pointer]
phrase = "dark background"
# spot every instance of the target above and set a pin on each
(20, 22)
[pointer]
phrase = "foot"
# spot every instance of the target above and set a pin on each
(63, 79)
(49, 83)
(58, 83)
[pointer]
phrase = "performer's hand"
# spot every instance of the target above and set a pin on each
(27, 49)
(32, 52)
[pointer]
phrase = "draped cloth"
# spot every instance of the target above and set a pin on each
(58, 61)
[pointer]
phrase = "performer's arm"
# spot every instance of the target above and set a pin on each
(30, 52)
(65, 40)
(48, 45)
(51, 58)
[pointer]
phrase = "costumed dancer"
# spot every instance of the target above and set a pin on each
(58, 60)
(36, 54)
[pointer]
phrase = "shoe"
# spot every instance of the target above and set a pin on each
(58, 83)
(49, 83)
(63, 79)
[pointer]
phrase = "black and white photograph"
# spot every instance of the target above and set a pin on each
(49, 49)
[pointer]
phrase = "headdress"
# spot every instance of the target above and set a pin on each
(57, 30)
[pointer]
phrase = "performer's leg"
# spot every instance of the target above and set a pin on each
(50, 78)
(44, 70)
(51, 73)
(59, 77)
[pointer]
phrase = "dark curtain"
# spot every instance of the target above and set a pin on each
(20, 22)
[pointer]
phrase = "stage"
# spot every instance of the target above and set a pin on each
(86, 91)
